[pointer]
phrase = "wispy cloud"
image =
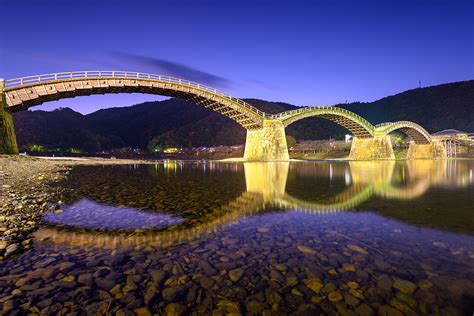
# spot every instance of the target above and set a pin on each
(167, 67)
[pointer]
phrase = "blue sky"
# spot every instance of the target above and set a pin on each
(300, 52)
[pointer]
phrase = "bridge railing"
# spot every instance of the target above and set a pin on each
(101, 74)
(363, 121)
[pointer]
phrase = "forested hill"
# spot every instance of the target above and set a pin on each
(183, 123)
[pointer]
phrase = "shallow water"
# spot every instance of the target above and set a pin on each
(271, 238)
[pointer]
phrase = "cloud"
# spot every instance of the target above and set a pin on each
(166, 67)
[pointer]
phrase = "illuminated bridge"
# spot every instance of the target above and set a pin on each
(266, 139)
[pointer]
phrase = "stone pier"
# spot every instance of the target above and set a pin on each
(378, 147)
(267, 143)
(8, 143)
(434, 150)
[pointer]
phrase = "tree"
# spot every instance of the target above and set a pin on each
(290, 141)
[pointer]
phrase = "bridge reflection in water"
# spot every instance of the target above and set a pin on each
(267, 190)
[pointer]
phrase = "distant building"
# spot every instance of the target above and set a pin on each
(454, 141)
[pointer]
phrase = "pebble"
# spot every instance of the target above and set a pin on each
(335, 296)
(236, 274)
(404, 286)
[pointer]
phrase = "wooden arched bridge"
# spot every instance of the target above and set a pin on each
(265, 132)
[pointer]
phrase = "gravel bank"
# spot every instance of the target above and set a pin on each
(26, 193)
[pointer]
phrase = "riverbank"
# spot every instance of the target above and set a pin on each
(26, 193)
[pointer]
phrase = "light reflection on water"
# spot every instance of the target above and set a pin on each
(89, 214)
(288, 226)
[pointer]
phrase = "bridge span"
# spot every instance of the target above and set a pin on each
(266, 138)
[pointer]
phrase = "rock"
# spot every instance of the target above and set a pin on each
(142, 311)
(314, 284)
(254, 308)
(398, 304)
(357, 249)
(175, 293)
(357, 293)
(353, 285)
(104, 284)
(206, 282)
(151, 294)
(351, 300)
(69, 278)
(174, 309)
(3, 244)
(207, 268)
(296, 292)
(158, 276)
(229, 307)
(425, 284)
(236, 274)
(385, 284)
(117, 260)
(349, 267)
(332, 272)
(21, 282)
(364, 310)
(292, 281)
(329, 287)
(404, 286)
(11, 249)
(306, 250)
(335, 296)
(85, 278)
(386, 310)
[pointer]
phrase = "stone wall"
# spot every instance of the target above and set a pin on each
(267, 143)
(435, 150)
(378, 147)
(8, 143)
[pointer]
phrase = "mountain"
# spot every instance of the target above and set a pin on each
(182, 123)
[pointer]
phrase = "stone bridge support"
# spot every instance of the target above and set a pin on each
(7, 131)
(433, 150)
(377, 147)
(267, 143)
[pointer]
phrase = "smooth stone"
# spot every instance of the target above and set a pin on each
(385, 284)
(351, 300)
(104, 284)
(158, 276)
(236, 274)
(314, 284)
(3, 244)
(335, 296)
(173, 294)
(85, 278)
(142, 311)
(296, 292)
(306, 250)
(386, 310)
(364, 310)
(357, 249)
(229, 307)
(254, 307)
(357, 293)
(174, 309)
(398, 304)
(11, 249)
(207, 268)
(404, 286)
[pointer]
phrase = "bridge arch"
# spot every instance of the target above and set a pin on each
(417, 133)
(26, 92)
(356, 124)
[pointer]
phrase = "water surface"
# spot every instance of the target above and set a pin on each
(255, 238)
